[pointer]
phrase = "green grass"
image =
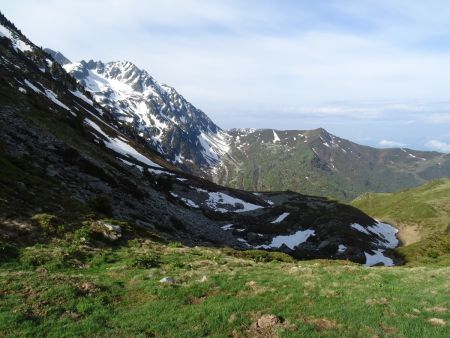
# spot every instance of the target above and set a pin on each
(423, 216)
(427, 206)
(85, 290)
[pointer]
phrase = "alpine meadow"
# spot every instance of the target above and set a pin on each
(309, 196)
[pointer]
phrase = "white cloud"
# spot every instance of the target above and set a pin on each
(391, 144)
(438, 145)
(382, 65)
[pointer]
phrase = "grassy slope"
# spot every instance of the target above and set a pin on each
(260, 165)
(262, 173)
(70, 287)
(422, 215)
(427, 206)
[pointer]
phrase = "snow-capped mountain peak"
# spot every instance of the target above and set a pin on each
(163, 117)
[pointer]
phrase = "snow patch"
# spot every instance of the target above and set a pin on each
(341, 248)
(54, 98)
(227, 227)
(124, 148)
(291, 241)
(32, 86)
(416, 157)
(80, 95)
(387, 239)
(378, 257)
(360, 228)
(280, 218)
(17, 43)
(218, 199)
(275, 137)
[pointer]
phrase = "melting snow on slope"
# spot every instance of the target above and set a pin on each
(218, 199)
(54, 98)
(360, 228)
(50, 94)
(280, 218)
(291, 241)
(387, 233)
(418, 158)
(186, 201)
(96, 127)
(378, 257)
(214, 146)
(341, 248)
(120, 146)
(17, 43)
(190, 203)
(387, 240)
(275, 137)
(80, 95)
(227, 227)
(32, 86)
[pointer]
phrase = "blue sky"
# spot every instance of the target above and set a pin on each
(375, 72)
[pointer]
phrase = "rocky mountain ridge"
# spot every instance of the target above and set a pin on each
(157, 112)
(307, 161)
(319, 163)
(63, 154)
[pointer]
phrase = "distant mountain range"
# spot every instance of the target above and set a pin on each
(86, 154)
(306, 161)
(319, 163)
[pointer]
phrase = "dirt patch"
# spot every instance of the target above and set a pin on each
(253, 288)
(89, 288)
(437, 321)
(408, 234)
(267, 326)
(196, 300)
(377, 301)
(389, 330)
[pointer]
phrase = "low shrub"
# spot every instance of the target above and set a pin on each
(261, 256)
(146, 261)
(47, 222)
(175, 245)
(8, 251)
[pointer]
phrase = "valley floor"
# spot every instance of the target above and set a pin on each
(117, 291)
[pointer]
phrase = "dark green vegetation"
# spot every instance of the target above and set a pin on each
(81, 284)
(317, 163)
(422, 215)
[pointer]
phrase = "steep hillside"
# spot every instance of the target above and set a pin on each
(65, 157)
(319, 163)
(310, 162)
(156, 112)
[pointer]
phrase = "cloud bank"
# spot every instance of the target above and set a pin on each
(363, 69)
(439, 146)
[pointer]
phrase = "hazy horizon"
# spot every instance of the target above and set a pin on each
(371, 72)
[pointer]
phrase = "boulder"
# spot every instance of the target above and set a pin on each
(112, 232)
(167, 280)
